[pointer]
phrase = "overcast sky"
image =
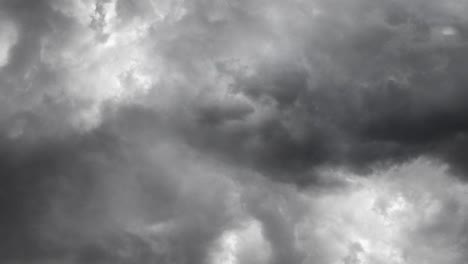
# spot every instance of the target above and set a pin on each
(233, 131)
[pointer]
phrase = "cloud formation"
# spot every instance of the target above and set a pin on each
(213, 131)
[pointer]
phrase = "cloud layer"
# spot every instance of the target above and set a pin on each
(212, 131)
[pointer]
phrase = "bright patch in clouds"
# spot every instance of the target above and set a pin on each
(8, 38)
(382, 219)
(396, 216)
(245, 244)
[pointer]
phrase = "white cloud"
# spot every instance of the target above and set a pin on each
(8, 38)
(399, 216)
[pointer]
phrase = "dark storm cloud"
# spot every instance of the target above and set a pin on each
(93, 172)
(31, 177)
(381, 89)
(98, 197)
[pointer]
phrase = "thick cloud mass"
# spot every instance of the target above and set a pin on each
(216, 131)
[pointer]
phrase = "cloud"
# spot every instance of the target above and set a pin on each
(249, 131)
(102, 197)
(347, 91)
(399, 216)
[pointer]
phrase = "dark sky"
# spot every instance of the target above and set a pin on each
(233, 132)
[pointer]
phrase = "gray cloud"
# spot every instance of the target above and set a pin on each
(148, 131)
(380, 89)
